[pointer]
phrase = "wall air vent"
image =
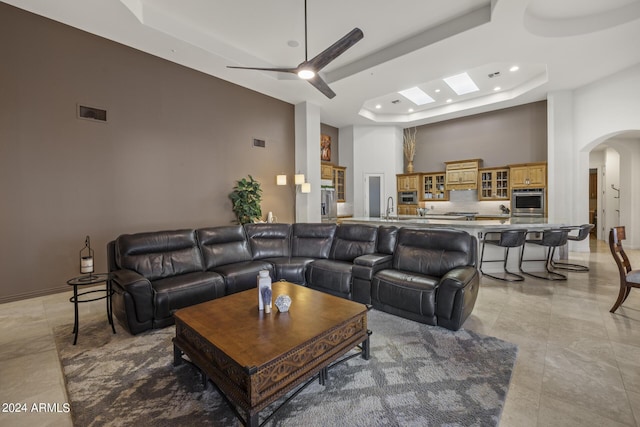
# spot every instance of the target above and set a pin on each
(259, 143)
(92, 113)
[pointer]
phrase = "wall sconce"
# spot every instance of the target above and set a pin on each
(298, 180)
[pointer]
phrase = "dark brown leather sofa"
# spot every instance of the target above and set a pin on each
(433, 277)
(156, 273)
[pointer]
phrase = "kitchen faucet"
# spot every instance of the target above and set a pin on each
(389, 206)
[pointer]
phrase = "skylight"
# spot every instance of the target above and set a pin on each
(461, 84)
(416, 95)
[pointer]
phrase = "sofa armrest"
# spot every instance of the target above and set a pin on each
(363, 270)
(140, 290)
(365, 266)
(456, 296)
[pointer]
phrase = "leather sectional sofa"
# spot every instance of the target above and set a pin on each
(428, 275)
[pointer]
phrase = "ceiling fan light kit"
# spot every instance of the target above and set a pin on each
(306, 74)
(309, 69)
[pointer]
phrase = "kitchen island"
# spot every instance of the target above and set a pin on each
(461, 222)
(478, 228)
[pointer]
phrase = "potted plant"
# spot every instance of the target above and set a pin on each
(245, 198)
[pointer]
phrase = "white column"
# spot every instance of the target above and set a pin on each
(307, 158)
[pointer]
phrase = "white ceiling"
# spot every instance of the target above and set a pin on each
(558, 45)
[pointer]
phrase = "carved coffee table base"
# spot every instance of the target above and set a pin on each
(301, 345)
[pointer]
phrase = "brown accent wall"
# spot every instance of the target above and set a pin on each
(175, 142)
(499, 138)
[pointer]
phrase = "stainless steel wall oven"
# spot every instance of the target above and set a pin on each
(528, 202)
(407, 197)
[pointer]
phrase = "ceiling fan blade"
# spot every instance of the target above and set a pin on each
(281, 70)
(338, 48)
(322, 86)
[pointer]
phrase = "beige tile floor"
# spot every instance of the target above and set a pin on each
(578, 364)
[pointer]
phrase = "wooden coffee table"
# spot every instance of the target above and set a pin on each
(255, 358)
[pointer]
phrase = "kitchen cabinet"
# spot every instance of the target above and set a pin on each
(528, 175)
(433, 187)
(326, 171)
(493, 184)
(407, 209)
(462, 175)
(408, 182)
(339, 182)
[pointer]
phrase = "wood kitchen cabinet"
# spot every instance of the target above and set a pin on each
(493, 184)
(528, 175)
(408, 182)
(462, 175)
(326, 171)
(433, 187)
(339, 182)
(407, 209)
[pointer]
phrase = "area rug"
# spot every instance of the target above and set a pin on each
(417, 375)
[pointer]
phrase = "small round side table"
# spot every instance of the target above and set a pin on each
(86, 280)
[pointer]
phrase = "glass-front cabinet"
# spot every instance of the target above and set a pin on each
(339, 182)
(433, 187)
(494, 184)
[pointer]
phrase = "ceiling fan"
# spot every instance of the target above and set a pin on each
(309, 69)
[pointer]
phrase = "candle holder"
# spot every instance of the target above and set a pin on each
(86, 258)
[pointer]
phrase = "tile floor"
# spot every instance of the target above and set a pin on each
(578, 364)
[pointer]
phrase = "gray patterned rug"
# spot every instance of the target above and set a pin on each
(418, 375)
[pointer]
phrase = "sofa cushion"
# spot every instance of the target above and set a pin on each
(159, 254)
(173, 293)
(330, 276)
(291, 269)
(433, 252)
(241, 276)
(312, 240)
(387, 236)
(269, 240)
(353, 240)
(223, 245)
(408, 292)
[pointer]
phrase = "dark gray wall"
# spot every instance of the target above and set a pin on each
(502, 137)
(175, 142)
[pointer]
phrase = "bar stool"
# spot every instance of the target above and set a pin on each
(583, 232)
(512, 238)
(551, 239)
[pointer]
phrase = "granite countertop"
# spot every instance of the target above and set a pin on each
(436, 215)
(448, 221)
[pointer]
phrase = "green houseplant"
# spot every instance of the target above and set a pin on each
(246, 197)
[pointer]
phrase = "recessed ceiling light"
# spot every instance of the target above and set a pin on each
(411, 110)
(416, 95)
(378, 106)
(514, 68)
(497, 88)
(437, 90)
(449, 100)
(461, 83)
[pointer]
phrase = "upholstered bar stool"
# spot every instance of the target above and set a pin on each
(507, 239)
(581, 233)
(551, 239)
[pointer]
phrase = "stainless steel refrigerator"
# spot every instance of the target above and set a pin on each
(329, 204)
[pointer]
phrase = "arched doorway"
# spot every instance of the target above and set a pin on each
(616, 159)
